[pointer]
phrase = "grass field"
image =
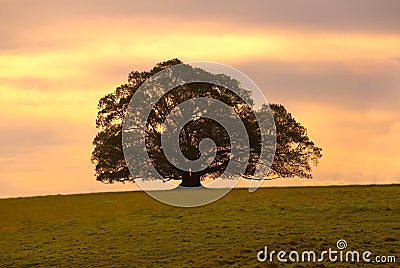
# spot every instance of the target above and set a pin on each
(133, 230)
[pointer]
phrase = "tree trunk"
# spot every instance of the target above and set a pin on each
(191, 180)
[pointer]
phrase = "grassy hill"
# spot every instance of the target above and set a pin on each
(132, 230)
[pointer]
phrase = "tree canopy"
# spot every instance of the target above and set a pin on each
(294, 152)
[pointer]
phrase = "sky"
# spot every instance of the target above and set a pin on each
(335, 65)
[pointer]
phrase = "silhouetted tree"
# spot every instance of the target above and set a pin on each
(294, 151)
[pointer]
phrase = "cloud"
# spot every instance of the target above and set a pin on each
(353, 84)
(340, 16)
(53, 170)
(359, 146)
(26, 23)
(20, 135)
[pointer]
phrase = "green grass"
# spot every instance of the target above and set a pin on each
(133, 230)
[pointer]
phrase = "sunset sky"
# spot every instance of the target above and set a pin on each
(335, 65)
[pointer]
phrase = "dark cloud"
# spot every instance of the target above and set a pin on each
(25, 16)
(21, 137)
(328, 83)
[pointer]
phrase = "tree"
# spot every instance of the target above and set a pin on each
(294, 151)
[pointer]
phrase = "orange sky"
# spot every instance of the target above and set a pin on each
(336, 68)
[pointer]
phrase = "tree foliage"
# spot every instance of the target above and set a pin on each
(295, 152)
